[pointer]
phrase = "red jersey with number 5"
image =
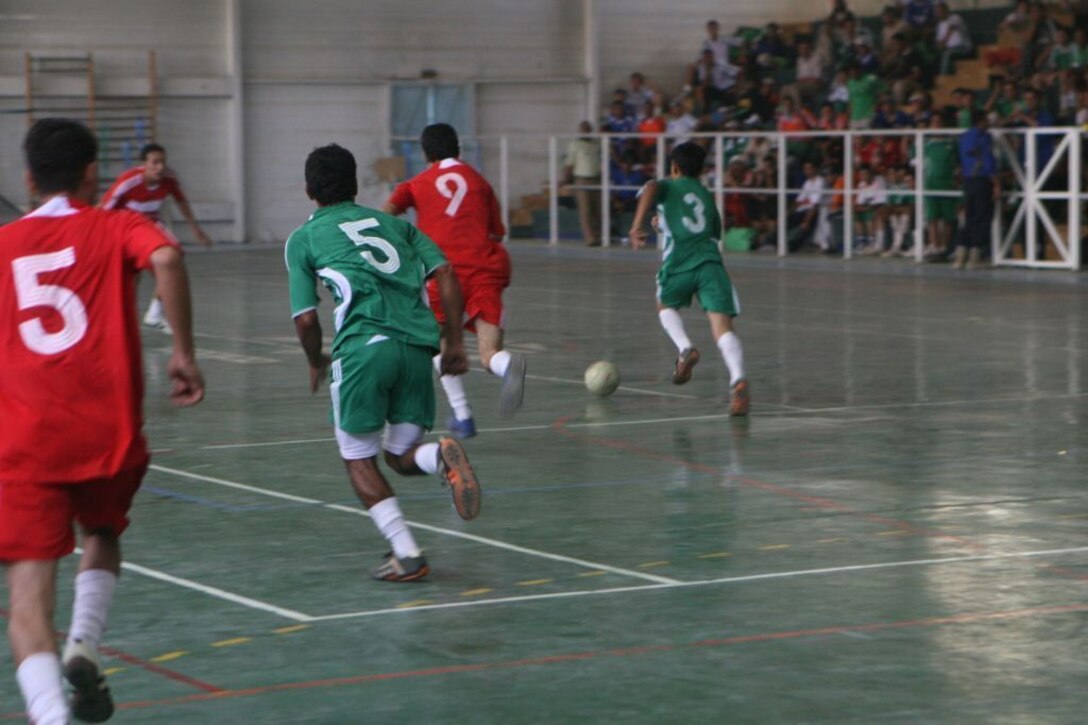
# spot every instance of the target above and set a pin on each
(71, 379)
(457, 208)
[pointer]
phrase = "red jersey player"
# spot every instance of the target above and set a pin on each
(458, 210)
(71, 391)
(143, 190)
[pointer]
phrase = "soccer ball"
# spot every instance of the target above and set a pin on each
(602, 378)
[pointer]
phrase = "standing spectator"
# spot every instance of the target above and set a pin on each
(639, 92)
(953, 40)
(770, 50)
(1063, 52)
(863, 90)
(891, 23)
(716, 45)
(964, 101)
(1003, 102)
(920, 16)
(939, 174)
(583, 169)
(810, 75)
(905, 70)
(713, 81)
(1039, 35)
(809, 218)
(839, 13)
(680, 123)
(1034, 115)
(981, 189)
(869, 211)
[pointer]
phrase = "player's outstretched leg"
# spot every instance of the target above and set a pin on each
(405, 563)
(733, 355)
(511, 367)
(687, 356)
(31, 592)
(95, 585)
(460, 423)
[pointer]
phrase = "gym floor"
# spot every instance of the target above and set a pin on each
(897, 533)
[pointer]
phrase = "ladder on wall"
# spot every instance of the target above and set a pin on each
(124, 119)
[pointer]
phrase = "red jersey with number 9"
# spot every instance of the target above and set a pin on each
(71, 378)
(457, 208)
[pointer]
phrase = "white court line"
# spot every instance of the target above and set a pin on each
(701, 583)
(426, 527)
(214, 591)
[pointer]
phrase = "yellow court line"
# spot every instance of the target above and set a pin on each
(774, 547)
(417, 603)
(476, 592)
(715, 555)
(292, 628)
(170, 656)
(113, 671)
(231, 642)
(592, 573)
(534, 582)
(652, 564)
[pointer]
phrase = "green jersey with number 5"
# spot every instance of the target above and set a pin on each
(689, 223)
(375, 265)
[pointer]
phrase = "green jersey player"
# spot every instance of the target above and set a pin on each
(692, 266)
(376, 266)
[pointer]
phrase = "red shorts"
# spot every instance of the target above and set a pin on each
(482, 302)
(36, 518)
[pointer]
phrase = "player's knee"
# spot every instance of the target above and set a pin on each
(399, 462)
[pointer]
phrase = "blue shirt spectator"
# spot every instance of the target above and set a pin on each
(888, 116)
(977, 153)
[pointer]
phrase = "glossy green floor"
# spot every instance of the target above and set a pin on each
(898, 533)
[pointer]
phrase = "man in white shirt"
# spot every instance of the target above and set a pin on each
(953, 39)
(680, 123)
(810, 212)
(718, 46)
(582, 168)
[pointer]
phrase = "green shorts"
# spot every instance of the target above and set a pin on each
(940, 209)
(710, 282)
(864, 215)
(375, 380)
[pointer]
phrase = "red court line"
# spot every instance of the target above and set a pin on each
(145, 665)
(966, 618)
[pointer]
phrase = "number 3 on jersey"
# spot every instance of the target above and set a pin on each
(453, 187)
(29, 292)
(392, 259)
(699, 223)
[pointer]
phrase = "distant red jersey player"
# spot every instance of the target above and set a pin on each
(143, 190)
(457, 208)
(71, 393)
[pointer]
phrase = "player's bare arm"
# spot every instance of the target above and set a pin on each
(172, 280)
(187, 212)
(392, 209)
(454, 361)
(308, 328)
(638, 233)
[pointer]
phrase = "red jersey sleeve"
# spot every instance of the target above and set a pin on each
(112, 199)
(175, 188)
(141, 237)
(402, 197)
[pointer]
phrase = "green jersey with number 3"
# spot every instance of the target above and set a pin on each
(689, 223)
(375, 265)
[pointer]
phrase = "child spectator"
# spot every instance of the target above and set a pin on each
(869, 203)
(839, 95)
(900, 209)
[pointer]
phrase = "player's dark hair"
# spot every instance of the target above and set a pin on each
(689, 158)
(150, 148)
(331, 175)
(439, 141)
(58, 152)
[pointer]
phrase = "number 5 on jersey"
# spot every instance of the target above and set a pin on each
(392, 259)
(29, 292)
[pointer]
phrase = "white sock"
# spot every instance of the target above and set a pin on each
(733, 354)
(455, 391)
(390, 521)
(427, 457)
(94, 594)
(499, 362)
(880, 238)
(899, 230)
(674, 328)
(154, 310)
(40, 681)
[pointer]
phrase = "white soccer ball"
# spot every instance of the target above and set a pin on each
(602, 378)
